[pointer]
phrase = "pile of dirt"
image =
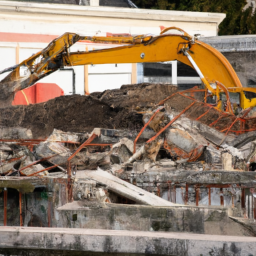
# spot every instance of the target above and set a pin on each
(112, 109)
(136, 96)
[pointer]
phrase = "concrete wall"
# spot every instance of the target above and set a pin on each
(47, 207)
(200, 220)
(244, 64)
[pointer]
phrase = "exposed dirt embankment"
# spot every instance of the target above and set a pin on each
(110, 109)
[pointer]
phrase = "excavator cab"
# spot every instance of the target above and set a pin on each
(237, 98)
(244, 96)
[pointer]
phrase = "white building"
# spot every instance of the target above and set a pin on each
(26, 27)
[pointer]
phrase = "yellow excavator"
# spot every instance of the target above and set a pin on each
(214, 70)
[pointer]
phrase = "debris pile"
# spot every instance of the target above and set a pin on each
(127, 133)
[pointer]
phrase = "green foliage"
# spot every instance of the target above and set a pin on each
(237, 21)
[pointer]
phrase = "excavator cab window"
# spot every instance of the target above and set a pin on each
(234, 100)
(249, 95)
(234, 97)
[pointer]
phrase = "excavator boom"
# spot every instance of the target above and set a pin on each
(211, 65)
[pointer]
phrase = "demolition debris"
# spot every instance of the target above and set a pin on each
(129, 146)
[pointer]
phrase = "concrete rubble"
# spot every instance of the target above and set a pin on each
(185, 141)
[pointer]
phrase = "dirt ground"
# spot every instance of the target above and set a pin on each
(113, 109)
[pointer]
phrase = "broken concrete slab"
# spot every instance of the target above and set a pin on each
(123, 188)
(208, 133)
(5, 168)
(121, 151)
(46, 149)
(58, 135)
(181, 138)
(91, 161)
(8, 164)
(33, 169)
(111, 136)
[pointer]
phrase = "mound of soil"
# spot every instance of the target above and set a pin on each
(113, 109)
(136, 95)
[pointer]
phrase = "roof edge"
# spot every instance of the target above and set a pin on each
(111, 12)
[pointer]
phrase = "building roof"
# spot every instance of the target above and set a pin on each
(114, 3)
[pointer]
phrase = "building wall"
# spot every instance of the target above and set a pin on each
(25, 28)
(240, 50)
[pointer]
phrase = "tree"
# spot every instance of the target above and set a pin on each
(238, 21)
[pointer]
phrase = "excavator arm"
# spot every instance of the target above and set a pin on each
(213, 68)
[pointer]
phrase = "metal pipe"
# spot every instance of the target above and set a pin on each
(197, 196)
(254, 207)
(20, 204)
(229, 107)
(49, 209)
(243, 198)
(247, 206)
(174, 194)
(186, 196)
(251, 206)
(221, 197)
(169, 192)
(209, 196)
(5, 206)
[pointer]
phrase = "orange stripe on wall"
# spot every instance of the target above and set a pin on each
(31, 38)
